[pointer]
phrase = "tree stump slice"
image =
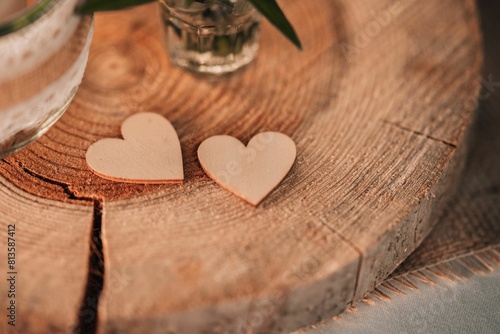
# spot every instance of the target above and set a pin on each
(378, 103)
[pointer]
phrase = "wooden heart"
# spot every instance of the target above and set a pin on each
(250, 172)
(150, 152)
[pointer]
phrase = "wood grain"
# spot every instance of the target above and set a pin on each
(52, 252)
(378, 105)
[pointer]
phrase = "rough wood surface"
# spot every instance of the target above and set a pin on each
(378, 105)
(466, 239)
(470, 223)
(51, 261)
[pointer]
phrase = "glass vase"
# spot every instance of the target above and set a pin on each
(211, 36)
(44, 49)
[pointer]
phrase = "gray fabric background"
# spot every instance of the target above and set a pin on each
(450, 307)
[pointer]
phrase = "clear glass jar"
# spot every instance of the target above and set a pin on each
(211, 36)
(44, 51)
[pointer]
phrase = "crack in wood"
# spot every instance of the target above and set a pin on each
(353, 246)
(419, 133)
(88, 313)
(65, 187)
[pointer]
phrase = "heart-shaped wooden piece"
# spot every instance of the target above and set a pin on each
(250, 172)
(150, 152)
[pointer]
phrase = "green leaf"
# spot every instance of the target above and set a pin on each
(91, 6)
(271, 10)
